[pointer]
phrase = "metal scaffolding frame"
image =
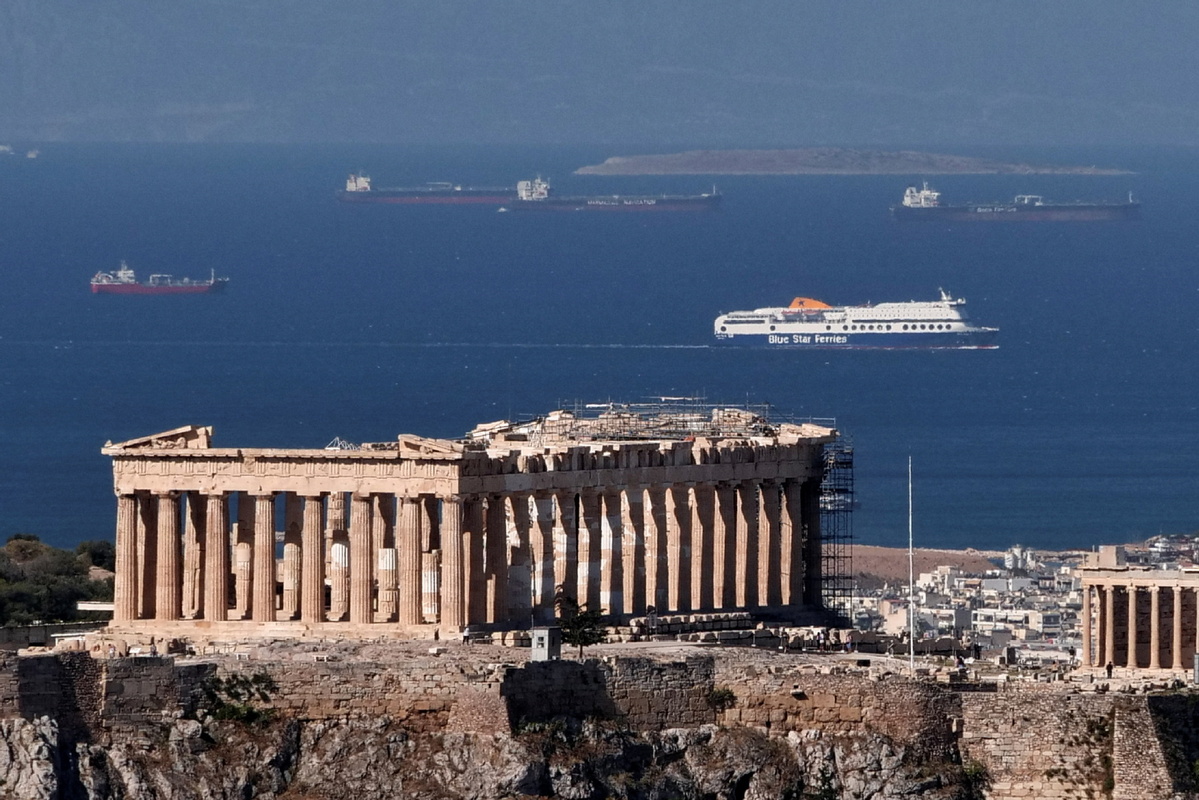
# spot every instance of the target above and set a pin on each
(836, 528)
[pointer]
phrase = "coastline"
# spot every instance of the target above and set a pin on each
(826, 161)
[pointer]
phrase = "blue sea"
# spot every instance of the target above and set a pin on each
(366, 322)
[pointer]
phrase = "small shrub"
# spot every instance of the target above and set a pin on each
(239, 697)
(722, 698)
(976, 779)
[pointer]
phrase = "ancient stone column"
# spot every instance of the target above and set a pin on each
(770, 568)
(430, 535)
(747, 545)
(1101, 626)
(383, 540)
(147, 554)
(243, 557)
(124, 590)
(791, 544)
(566, 544)
(633, 560)
(169, 597)
(1086, 626)
(1109, 628)
(1131, 658)
(1155, 632)
(386, 568)
(338, 568)
(453, 561)
(408, 541)
(361, 561)
(724, 547)
(312, 562)
(293, 517)
(678, 547)
(383, 533)
(813, 566)
(541, 551)
(516, 524)
(474, 579)
(703, 514)
(431, 585)
(1176, 645)
(590, 539)
(263, 606)
(1196, 594)
(193, 556)
(216, 550)
(611, 580)
(656, 548)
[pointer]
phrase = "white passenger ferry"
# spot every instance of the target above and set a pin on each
(811, 324)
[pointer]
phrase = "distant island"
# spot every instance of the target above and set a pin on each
(826, 161)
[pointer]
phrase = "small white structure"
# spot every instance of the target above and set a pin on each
(547, 644)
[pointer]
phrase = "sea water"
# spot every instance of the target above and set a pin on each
(363, 322)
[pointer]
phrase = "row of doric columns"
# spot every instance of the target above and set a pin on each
(502, 559)
(1130, 625)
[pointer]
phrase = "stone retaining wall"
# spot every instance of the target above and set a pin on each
(915, 714)
(1027, 741)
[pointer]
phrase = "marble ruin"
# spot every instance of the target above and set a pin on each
(1136, 616)
(624, 512)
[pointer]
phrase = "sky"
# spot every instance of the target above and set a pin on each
(666, 73)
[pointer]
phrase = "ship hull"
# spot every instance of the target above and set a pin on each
(493, 197)
(137, 288)
(617, 204)
(965, 340)
(1009, 212)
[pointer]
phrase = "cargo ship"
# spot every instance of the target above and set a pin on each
(123, 281)
(811, 324)
(537, 195)
(359, 190)
(925, 204)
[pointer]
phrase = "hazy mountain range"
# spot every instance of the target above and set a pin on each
(686, 72)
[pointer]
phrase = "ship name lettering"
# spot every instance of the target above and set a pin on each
(832, 339)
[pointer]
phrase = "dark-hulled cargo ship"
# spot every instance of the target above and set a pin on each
(359, 190)
(536, 195)
(924, 204)
(123, 281)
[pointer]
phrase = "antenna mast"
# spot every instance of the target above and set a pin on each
(911, 581)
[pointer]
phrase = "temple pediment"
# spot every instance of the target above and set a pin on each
(189, 437)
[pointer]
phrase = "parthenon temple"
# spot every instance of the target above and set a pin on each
(1137, 617)
(622, 511)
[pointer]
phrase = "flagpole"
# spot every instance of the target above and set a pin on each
(911, 581)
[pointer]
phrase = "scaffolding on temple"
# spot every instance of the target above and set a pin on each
(836, 529)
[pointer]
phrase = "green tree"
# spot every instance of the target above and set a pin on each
(98, 553)
(581, 626)
(40, 583)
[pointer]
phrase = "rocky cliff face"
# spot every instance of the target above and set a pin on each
(191, 760)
